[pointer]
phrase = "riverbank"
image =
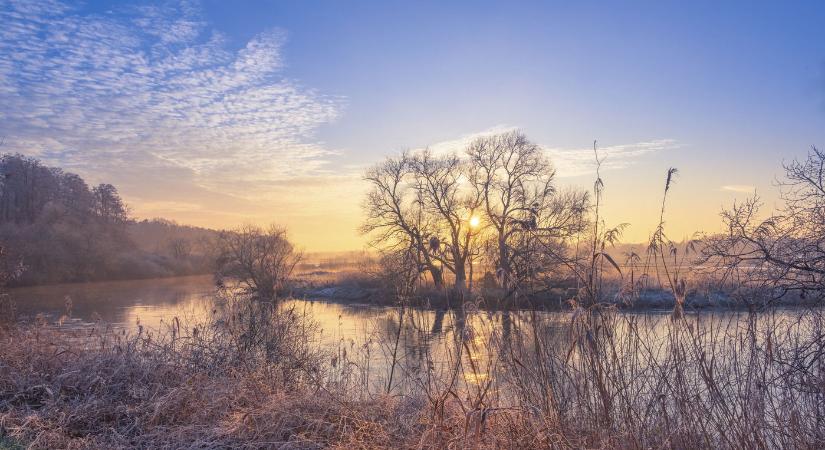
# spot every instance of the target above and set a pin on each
(555, 299)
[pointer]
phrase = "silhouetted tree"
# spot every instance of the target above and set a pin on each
(440, 209)
(262, 260)
(74, 193)
(27, 187)
(451, 207)
(108, 204)
(526, 214)
(395, 216)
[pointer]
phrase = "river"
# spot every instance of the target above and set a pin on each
(357, 330)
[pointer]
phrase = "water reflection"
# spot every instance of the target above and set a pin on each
(420, 342)
(119, 302)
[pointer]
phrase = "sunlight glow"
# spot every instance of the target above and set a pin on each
(475, 221)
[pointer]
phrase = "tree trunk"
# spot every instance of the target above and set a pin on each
(460, 287)
(437, 275)
(503, 261)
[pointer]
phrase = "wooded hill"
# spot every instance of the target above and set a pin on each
(62, 230)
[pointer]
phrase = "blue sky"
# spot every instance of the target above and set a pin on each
(217, 113)
(566, 74)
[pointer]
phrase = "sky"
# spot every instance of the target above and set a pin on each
(220, 113)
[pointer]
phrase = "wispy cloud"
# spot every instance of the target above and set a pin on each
(570, 162)
(744, 188)
(460, 143)
(152, 94)
(582, 161)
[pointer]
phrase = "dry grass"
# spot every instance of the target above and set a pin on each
(249, 380)
(252, 378)
(98, 399)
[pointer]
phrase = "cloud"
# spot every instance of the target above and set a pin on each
(570, 162)
(459, 144)
(152, 94)
(744, 188)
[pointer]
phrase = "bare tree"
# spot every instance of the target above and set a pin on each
(542, 251)
(515, 180)
(262, 260)
(442, 210)
(180, 247)
(395, 216)
(27, 188)
(784, 252)
(510, 174)
(453, 209)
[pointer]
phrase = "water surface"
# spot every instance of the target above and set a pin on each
(357, 329)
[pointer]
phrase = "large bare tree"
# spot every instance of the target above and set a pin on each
(395, 216)
(515, 181)
(452, 206)
(439, 209)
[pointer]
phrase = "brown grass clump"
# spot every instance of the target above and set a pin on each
(61, 392)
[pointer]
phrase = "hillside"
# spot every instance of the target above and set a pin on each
(62, 230)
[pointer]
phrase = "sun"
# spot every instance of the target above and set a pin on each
(475, 221)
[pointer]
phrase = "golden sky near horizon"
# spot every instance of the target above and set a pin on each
(324, 213)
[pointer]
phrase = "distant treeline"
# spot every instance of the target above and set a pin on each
(63, 230)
